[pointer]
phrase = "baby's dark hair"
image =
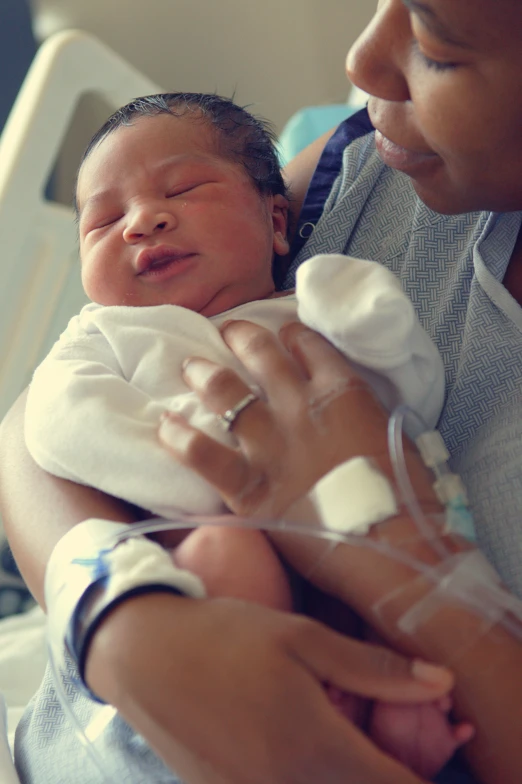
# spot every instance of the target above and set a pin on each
(240, 136)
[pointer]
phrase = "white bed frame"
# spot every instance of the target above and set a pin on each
(40, 276)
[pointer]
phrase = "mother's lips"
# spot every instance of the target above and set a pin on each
(401, 158)
(150, 258)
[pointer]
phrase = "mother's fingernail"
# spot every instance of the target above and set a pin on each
(170, 426)
(225, 327)
(431, 673)
(197, 369)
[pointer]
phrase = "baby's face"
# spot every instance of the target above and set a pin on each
(165, 220)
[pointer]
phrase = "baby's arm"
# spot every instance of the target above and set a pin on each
(359, 306)
(86, 423)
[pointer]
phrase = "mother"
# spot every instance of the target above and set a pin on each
(444, 74)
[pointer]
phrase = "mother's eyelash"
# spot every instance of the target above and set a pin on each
(435, 65)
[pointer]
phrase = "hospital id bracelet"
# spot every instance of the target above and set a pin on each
(94, 568)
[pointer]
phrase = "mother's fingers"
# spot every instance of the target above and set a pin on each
(332, 376)
(265, 358)
(220, 389)
(224, 468)
(301, 371)
(369, 670)
(316, 355)
(241, 482)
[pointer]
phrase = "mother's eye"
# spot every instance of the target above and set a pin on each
(435, 65)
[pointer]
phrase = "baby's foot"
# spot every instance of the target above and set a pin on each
(419, 736)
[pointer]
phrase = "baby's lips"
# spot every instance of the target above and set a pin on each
(148, 257)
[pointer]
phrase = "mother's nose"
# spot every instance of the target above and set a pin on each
(146, 221)
(376, 61)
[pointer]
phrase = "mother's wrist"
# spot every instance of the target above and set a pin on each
(119, 656)
(413, 481)
(376, 544)
(95, 568)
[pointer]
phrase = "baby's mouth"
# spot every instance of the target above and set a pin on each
(153, 260)
(160, 264)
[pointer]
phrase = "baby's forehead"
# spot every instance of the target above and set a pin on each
(151, 147)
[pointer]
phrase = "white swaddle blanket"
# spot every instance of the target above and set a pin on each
(95, 402)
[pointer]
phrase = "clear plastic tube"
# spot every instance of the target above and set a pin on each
(102, 715)
(396, 450)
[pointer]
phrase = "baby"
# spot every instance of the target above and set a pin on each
(182, 210)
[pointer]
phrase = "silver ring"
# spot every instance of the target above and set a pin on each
(229, 417)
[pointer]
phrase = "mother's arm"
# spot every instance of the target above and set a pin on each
(317, 415)
(37, 508)
(167, 664)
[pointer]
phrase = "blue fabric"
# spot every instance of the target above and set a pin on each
(308, 124)
(455, 773)
(17, 49)
(326, 172)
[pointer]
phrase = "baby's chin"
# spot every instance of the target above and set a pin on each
(208, 304)
(228, 299)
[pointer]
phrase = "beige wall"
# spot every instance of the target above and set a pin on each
(276, 54)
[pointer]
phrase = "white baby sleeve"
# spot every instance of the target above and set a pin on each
(360, 307)
(86, 423)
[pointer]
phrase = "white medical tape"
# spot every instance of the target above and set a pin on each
(353, 496)
(465, 579)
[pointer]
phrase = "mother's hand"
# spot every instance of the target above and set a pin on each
(229, 692)
(317, 414)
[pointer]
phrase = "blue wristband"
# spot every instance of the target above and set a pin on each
(81, 590)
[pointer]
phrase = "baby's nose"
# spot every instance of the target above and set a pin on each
(145, 222)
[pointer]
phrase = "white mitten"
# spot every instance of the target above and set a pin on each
(361, 308)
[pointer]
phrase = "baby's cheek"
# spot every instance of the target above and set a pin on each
(101, 285)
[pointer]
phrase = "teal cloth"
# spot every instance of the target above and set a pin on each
(308, 124)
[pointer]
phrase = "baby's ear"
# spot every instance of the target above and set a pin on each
(280, 206)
